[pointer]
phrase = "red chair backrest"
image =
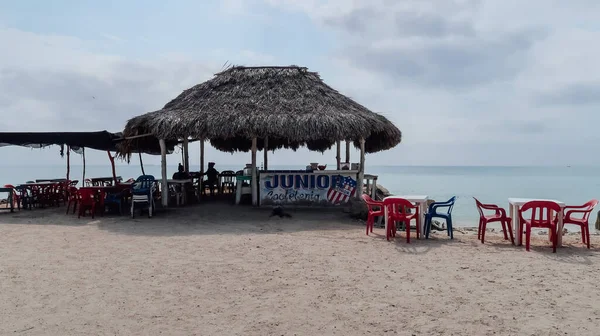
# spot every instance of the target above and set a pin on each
(9, 186)
(73, 191)
(87, 195)
(370, 201)
(538, 209)
(479, 204)
(590, 205)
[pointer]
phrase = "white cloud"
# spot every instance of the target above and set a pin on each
(467, 81)
(494, 72)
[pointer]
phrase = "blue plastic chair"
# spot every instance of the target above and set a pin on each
(433, 213)
(114, 200)
(142, 192)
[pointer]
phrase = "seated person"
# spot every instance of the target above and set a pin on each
(181, 174)
(212, 177)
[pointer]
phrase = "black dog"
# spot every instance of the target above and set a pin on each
(278, 211)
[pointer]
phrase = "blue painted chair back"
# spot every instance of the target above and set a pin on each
(447, 215)
(451, 201)
(143, 184)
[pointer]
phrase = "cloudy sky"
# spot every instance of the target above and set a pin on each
(469, 82)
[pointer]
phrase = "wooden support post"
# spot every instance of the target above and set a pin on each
(254, 181)
(68, 162)
(186, 156)
(338, 155)
(164, 193)
(347, 151)
(361, 169)
(141, 162)
(83, 157)
(112, 166)
(265, 152)
(202, 156)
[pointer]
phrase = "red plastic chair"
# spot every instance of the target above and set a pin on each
(498, 216)
(540, 218)
(72, 198)
(87, 201)
(16, 196)
(372, 204)
(398, 209)
(582, 222)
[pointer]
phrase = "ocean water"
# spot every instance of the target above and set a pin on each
(572, 185)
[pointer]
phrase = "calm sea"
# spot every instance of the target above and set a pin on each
(572, 185)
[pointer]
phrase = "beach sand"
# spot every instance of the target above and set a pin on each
(225, 270)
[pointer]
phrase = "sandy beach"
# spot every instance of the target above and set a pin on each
(207, 270)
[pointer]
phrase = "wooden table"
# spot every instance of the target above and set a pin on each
(514, 205)
(421, 201)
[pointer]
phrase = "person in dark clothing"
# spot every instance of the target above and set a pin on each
(212, 178)
(181, 174)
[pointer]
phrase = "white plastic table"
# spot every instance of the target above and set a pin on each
(515, 203)
(421, 201)
(181, 183)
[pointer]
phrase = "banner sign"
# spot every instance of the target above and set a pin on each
(306, 188)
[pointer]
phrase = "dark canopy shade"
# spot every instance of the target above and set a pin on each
(290, 106)
(102, 140)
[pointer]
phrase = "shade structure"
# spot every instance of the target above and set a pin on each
(100, 140)
(290, 106)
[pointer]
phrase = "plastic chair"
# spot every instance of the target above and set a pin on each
(142, 193)
(432, 213)
(372, 213)
(227, 181)
(87, 201)
(538, 220)
(115, 199)
(498, 216)
(582, 222)
(398, 211)
(73, 198)
(16, 196)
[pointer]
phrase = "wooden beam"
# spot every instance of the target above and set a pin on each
(164, 194)
(112, 166)
(136, 136)
(68, 162)
(347, 151)
(141, 163)
(361, 169)
(83, 157)
(338, 155)
(202, 156)
(254, 181)
(186, 156)
(265, 152)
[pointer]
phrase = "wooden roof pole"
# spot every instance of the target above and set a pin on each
(164, 193)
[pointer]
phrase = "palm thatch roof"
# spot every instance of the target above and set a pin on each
(291, 106)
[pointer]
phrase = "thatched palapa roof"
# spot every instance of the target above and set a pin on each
(291, 106)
